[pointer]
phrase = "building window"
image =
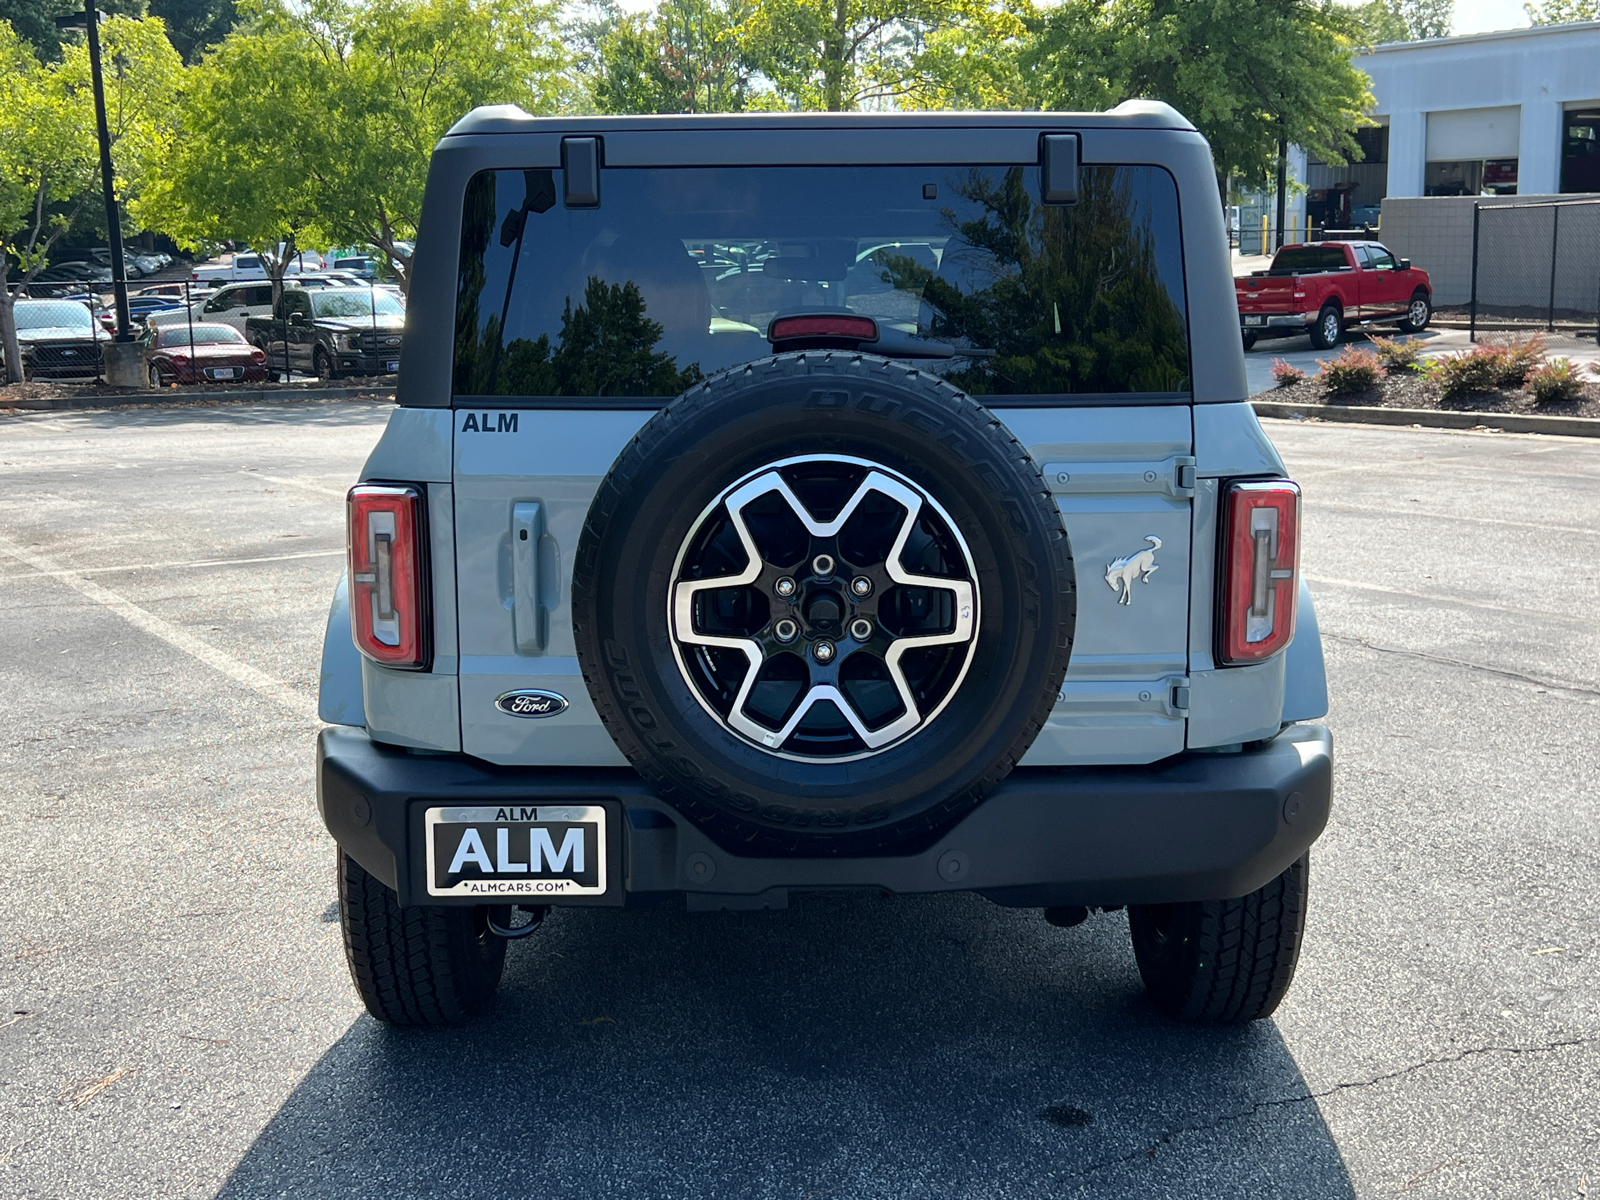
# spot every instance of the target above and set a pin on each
(1471, 177)
(1580, 152)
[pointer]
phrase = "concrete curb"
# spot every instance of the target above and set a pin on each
(173, 398)
(1432, 418)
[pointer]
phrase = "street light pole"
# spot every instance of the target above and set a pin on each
(119, 273)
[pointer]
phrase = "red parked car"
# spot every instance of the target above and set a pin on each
(1324, 288)
(201, 354)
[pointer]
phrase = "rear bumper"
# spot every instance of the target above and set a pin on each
(1276, 321)
(1196, 827)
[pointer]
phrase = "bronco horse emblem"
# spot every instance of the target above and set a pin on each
(1121, 574)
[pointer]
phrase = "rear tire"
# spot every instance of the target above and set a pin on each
(1223, 961)
(1249, 340)
(415, 966)
(1418, 313)
(1329, 328)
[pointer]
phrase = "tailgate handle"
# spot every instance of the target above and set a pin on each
(527, 528)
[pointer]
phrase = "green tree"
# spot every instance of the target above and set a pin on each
(1248, 73)
(241, 166)
(195, 25)
(1406, 20)
(49, 157)
(393, 76)
(686, 56)
(34, 21)
(1559, 12)
(841, 55)
(48, 165)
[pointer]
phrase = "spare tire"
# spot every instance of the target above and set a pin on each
(824, 603)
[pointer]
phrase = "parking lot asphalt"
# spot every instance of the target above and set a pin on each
(176, 1019)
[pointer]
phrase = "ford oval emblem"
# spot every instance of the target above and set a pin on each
(531, 702)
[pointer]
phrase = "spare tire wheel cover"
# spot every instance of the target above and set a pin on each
(824, 603)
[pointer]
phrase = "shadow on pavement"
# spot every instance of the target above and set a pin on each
(852, 1046)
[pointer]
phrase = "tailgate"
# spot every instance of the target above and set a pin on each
(1123, 478)
(1272, 294)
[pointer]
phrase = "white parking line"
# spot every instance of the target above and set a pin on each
(165, 566)
(181, 639)
(316, 488)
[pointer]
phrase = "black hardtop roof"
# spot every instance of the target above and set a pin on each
(1130, 114)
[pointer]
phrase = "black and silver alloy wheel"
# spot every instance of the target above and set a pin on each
(850, 615)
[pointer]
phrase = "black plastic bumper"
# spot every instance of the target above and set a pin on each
(1197, 827)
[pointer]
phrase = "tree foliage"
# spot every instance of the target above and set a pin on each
(841, 55)
(1406, 20)
(49, 157)
(326, 112)
(1558, 12)
(686, 56)
(1246, 72)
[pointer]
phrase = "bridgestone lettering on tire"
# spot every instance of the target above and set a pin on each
(824, 603)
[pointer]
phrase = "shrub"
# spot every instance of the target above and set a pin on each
(1518, 356)
(1287, 374)
(1555, 380)
(1397, 354)
(1355, 370)
(1480, 369)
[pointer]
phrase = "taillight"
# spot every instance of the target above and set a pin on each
(1261, 569)
(258, 355)
(388, 617)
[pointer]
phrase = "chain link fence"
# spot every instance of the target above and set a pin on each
(1536, 268)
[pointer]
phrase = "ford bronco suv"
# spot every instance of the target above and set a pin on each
(790, 502)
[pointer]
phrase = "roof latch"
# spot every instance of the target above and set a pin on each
(1059, 154)
(580, 170)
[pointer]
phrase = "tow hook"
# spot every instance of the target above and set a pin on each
(500, 917)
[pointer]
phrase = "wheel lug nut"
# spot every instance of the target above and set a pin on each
(822, 566)
(861, 585)
(823, 652)
(785, 587)
(785, 630)
(861, 629)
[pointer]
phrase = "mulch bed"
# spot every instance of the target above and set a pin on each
(1409, 390)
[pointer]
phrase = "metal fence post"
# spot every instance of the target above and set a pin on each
(1555, 240)
(1472, 308)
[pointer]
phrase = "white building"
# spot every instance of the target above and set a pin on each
(1514, 112)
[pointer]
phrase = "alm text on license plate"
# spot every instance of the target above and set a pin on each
(1255, 320)
(507, 850)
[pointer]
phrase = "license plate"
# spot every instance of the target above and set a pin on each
(222, 373)
(510, 850)
(394, 365)
(1255, 320)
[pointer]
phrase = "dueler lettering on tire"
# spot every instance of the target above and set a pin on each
(824, 603)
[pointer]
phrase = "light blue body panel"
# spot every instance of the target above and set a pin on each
(339, 681)
(1114, 474)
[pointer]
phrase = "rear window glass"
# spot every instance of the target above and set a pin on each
(1309, 258)
(348, 302)
(173, 335)
(681, 271)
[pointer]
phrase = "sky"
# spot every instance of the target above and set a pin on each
(1472, 16)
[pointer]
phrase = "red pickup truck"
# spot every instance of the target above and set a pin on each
(1323, 288)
